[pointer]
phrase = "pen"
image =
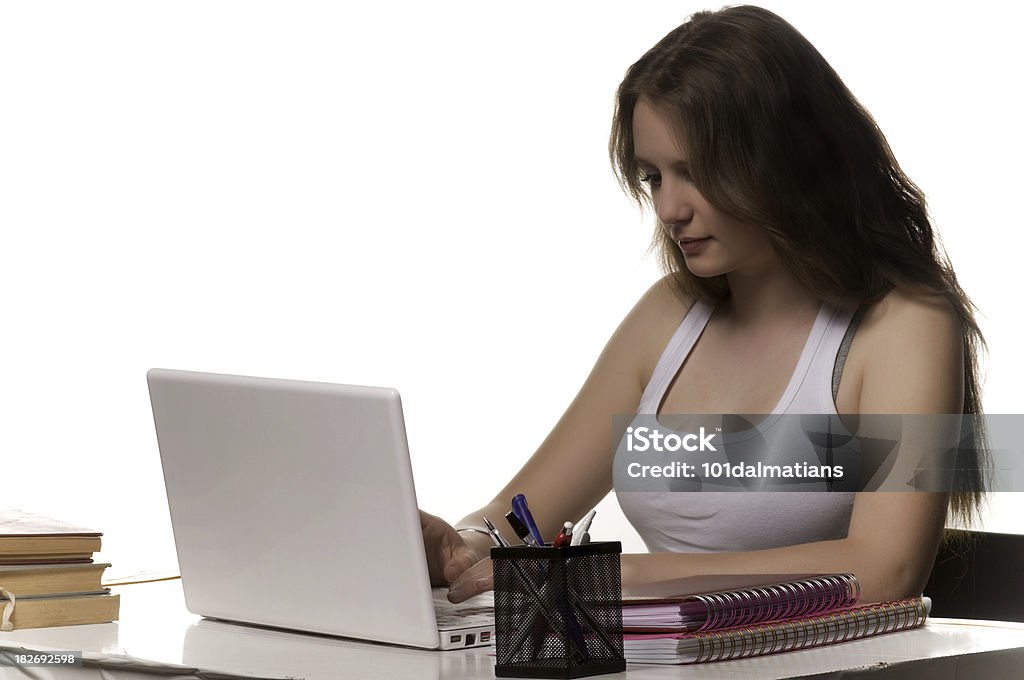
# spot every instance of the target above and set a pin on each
(522, 511)
(521, 531)
(498, 539)
(579, 534)
(564, 536)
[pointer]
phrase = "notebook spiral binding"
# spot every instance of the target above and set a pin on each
(782, 636)
(780, 601)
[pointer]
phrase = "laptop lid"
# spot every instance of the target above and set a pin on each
(293, 505)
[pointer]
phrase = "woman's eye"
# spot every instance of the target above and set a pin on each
(652, 178)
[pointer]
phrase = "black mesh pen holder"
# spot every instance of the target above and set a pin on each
(558, 611)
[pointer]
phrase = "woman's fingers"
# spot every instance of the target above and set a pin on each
(475, 580)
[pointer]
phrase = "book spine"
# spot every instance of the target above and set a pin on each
(783, 636)
(779, 601)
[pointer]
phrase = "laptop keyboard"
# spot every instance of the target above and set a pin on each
(477, 611)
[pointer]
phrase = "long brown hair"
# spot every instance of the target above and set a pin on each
(775, 138)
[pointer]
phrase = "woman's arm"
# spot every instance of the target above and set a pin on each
(909, 360)
(571, 470)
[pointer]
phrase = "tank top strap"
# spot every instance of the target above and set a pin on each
(810, 387)
(676, 351)
(810, 390)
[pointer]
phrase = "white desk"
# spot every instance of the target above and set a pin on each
(154, 626)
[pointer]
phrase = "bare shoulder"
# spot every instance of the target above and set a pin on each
(663, 300)
(904, 317)
(659, 313)
(649, 326)
(911, 349)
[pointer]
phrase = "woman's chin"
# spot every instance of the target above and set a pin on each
(704, 270)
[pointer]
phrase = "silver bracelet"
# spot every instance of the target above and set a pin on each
(479, 530)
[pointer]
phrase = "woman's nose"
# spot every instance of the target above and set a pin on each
(674, 204)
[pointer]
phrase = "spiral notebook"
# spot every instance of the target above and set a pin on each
(777, 636)
(711, 603)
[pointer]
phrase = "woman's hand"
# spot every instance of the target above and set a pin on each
(450, 560)
(479, 578)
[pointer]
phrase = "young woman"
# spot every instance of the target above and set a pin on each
(803, 276)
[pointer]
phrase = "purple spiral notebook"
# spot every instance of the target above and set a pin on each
(714, 603)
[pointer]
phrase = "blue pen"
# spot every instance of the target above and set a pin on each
(522, 511)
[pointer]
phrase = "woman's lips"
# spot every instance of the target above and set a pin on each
(693, 245)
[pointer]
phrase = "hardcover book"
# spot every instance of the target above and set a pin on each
(29, 538)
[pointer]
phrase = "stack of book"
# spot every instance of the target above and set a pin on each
(47, 574)
(702, 619)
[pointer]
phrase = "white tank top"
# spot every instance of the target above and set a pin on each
(704, 521)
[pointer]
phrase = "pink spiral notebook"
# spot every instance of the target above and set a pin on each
(712, 603)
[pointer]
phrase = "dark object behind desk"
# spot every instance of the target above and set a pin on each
(979, 577)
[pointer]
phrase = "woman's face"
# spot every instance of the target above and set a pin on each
(712, 242)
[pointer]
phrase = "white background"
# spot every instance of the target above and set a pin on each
(408, 194)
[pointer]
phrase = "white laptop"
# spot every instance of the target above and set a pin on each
(293, 506)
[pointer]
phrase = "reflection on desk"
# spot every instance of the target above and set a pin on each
(245, 649)
(156, 627)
